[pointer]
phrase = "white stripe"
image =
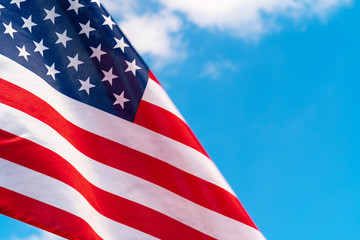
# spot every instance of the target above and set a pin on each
(155, 94)
(124, 184)
(109, 126)
(57, 194)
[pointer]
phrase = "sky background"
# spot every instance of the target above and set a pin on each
(271, 89)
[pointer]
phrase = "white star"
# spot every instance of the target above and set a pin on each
(23, 52)
(17, 2)
(28, 23)
(1, 6)
(51, 15)
(109, 76)
(75, 5)
(97, 52)
(86, 29)
(62, 38)
(120, 99)
(74, 62)
(52, 71)
(86, 85)
(120, 44)
(96, 1)
(9, 29)
(132, 67)
(40, 47)
(108, 21)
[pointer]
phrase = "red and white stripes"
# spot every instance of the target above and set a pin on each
(114, 179)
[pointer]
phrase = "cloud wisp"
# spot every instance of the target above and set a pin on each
(41, 236)
(213, 70)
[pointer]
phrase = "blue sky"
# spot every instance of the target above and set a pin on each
(271, 89)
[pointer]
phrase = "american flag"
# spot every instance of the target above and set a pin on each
(91, 146)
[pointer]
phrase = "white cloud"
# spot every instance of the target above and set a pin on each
(249, 18)
(156, 27)
(158, 35)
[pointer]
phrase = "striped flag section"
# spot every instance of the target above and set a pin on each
(83, 173)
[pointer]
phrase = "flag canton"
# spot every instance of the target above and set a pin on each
(76, 47)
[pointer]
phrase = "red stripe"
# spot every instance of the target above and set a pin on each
(44, 216)
(167, 124)
(40, 159)
(128, 160)
(152, 76)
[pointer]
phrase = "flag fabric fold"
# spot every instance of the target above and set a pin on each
(91, 146)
